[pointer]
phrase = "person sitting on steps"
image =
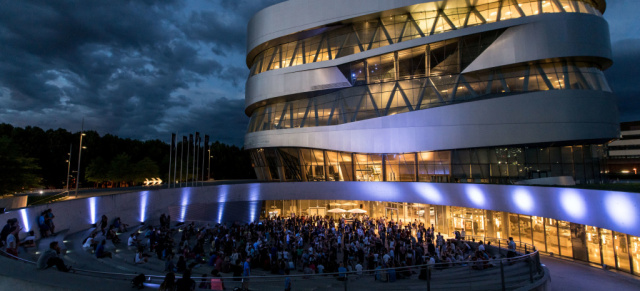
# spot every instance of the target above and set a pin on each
(50, 258)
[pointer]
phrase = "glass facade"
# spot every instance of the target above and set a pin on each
(421, 21)
(390, 89)
(577, 241)
(502, 165)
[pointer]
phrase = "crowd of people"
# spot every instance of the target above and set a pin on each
(309, 245)
(315, 245)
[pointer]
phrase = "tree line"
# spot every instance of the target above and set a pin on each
(31, 157)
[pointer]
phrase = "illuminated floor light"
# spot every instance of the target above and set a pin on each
(223, 191)
(143, 205)
(573, 204)
(220, 212)
(253, 205)
(92, 209)
(186, 192)
(25, 219)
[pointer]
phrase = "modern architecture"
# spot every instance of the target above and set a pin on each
(406, 108)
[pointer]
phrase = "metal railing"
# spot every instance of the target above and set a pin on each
(493, 274)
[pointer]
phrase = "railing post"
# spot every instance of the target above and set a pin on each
(346, 279)
(504, 286)
(530, 269)
(428, 278)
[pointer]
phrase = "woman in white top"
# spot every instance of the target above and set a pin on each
(12, 242)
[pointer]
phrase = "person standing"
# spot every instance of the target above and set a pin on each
(246, 272)
(186, 283)
(169, 283)
(287, 281)
(512, 248)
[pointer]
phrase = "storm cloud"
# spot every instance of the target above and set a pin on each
(138, 69)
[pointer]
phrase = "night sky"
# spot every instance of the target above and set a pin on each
(142, 69)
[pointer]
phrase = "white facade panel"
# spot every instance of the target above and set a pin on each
(614, 153)
(625, 142)
(269, 86)
(568, 36)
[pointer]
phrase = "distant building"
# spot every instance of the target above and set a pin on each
(623, 155)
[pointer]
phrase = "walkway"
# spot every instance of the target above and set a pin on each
(569, 275)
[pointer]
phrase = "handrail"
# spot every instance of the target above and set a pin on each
(435, 265)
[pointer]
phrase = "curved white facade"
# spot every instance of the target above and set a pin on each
(423, 96)
(526, 39)
(397, 77)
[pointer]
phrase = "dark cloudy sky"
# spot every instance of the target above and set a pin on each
(145, 68)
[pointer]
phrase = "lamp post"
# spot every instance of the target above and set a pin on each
(209, 167)
(69, 166)
(79, 157)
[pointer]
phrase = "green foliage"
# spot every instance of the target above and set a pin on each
(109, 158)
(98, 171)
(144, 169)
(17, 172)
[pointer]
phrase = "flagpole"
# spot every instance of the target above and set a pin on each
(181, 158)
(193, 171)
(175, 161)
(202, 180)
(170, 154)
(197, 161)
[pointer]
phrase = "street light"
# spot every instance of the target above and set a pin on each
(69, 166)
(80, 156)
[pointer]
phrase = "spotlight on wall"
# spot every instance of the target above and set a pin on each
(476, 195)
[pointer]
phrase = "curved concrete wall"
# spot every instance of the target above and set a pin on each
(617, 211)
(538, 117)
(542, 37)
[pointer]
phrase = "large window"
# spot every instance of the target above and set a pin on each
(622, 251)
(391, 90)
(401, 167)
(481, 165)
(368, 167)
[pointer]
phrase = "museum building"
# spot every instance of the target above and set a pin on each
(452, 101)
